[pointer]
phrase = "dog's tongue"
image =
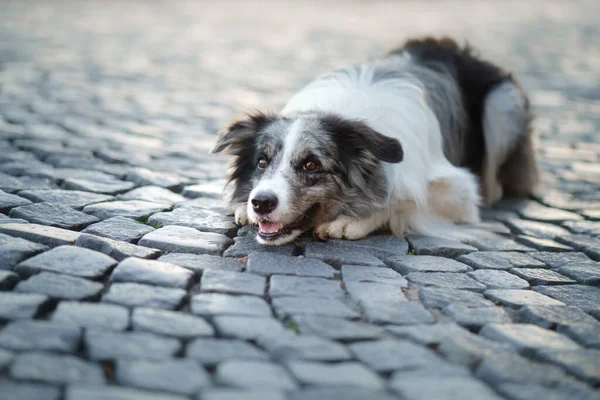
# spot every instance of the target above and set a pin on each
(269, 227)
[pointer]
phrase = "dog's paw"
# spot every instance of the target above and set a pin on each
(342, 228)
(241, 215)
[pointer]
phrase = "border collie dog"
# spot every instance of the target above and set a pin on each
(411, 142)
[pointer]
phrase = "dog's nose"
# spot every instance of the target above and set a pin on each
(264, 203)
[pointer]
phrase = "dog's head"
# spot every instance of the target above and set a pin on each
(295, 173)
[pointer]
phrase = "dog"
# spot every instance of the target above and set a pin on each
(412, 142)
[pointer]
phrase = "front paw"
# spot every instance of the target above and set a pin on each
(241, 215)
(342, 228)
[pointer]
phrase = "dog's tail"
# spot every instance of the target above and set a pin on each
(510, 167)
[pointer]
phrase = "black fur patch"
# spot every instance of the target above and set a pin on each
(475, 78)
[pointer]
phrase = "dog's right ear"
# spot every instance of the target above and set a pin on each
(241, 133)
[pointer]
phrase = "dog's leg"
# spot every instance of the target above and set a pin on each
(351, 228)
(452, 195)
(507, 138)
(241, 214)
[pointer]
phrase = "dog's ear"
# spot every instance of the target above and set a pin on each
(241, 133)
(354, 135)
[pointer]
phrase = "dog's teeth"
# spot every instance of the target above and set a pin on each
(269, 227)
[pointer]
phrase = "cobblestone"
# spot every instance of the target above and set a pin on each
(56, 369)
(21, 305)
(342, 374)
(152, 272)
(527, 337)
(103, 345)
(114, 133)
(119, 228)
(408, 264)
(39, 335)
(60, 286)
(211, 352)
(92, 316)
(254, 375)
(180, 239)
(69, 260)
(262, 263)
(169, 323)
(184, 377)
(53, 214)
(234, 283)
(139, 295)
(115, 249)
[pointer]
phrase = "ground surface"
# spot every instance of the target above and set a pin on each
(107, 110)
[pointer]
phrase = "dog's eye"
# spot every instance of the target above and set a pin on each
(263, 163)
(310, 166)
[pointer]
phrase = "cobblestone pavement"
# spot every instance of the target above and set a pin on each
(121, 276)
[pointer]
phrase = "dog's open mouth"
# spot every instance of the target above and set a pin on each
(272, 231)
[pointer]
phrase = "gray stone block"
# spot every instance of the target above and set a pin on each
(184, 377)
(500, 260)
(115, 249)
(70, 260)
(170, 323)
(248, 328)
(336, 328)
(300, 286)
(392, 355)
(181, 239)
(144, 177)
(288, 306)
(119, 228)
(108, 185)
(134, 209)
(473, 317)
(495, 279)
(540, 276)
(244, 245)
(233, 282)
(443, 388)
(154, 194)
(288, 347)
(211, 352)
(61, 286)
(242, 394)
(201, 219)
(72, 198)
(582, 363)
(408, 264)
(585, 297)
(543, 244)
(511, 367)
(358, 273)
(427, 335)
(53, 214)
(56, 369)
(14, 250)
(342, 374)
(434, 246)
(202, 262)
(441, 297)
(28, 391)
(80, 392)
(527, 337)
(254, 375)
(44, 235)
(22, 305)
(103, 345)
(209, 304)
(8, 201)
(583, 273)
(340, 393)
(517, 298)
(91, 315)
(589, 245)
(268, 264)
(152, 272)
(334, 254)
(468, 349)
(557, 260)
(528, 391)
(445, 280)
(139, 295)
(40, 336)
(536, 229)
(497, 243)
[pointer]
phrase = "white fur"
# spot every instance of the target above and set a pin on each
(397, 108)
(503, 125)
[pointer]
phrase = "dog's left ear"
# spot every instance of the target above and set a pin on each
(354, 135)
(241, 133)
